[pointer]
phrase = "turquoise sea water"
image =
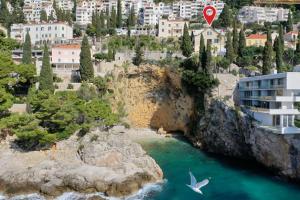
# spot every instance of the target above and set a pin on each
(230, 179)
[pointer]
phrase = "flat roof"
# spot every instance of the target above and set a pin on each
(269, 76)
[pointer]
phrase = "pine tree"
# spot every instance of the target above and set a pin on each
(235, 38)
(113, 18)
(297, 51)
(138, 59)
(279, 52)
(229, 48)
(86, 66)
(201, 51)
(46, 75)
(119, 14)
(267, 55)
(43, 16)
(242, 43)
(186, 43)
(27, 55)
(225, 18)
(289, 26)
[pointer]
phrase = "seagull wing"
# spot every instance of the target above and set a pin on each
(202, 183)
(193, 179)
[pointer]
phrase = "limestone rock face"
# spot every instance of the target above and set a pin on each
(226, 131)
(101, 161)
(153, 97)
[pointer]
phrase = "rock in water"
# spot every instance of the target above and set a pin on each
(100, 161)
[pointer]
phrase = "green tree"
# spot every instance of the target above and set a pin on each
(280, 35)
(74, 10)
(113, 18)
(235, 38)
(119, 14)
(86, 66)
(297, 51)
(43, 16)
(225, 18)
(186, 43)
(229, 48)
(279, 54)
(108, 24)
(138, 58)
(290, 22)
(131, 21)
(99, 26)
(208, 67)
(4, 13)
(267, 55)
(27, 55)
(201, 51)
(242, 43)
(46, 74)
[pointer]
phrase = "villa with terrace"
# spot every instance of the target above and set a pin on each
(270, 99)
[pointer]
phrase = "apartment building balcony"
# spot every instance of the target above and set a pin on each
(273, 98)
(273, 111)
(262, 87)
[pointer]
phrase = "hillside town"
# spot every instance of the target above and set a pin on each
(82, 82)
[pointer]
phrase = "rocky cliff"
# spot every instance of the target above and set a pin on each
(153, 97)
(227, 131)
(100, 161)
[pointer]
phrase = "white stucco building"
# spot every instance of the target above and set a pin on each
(42, 32)
(171, 28)
(270, 100)
(32, 9)
(255, 14)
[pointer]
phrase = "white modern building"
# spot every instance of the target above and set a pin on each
(42, 32)
(171, 27)
(255, 14)
(270, 100)
(32, 9)
(65, 4)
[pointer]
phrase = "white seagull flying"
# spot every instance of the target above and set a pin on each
(197, 186)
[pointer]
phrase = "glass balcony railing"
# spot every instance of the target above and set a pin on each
(253, 87)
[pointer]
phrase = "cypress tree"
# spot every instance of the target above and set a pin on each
(102, 23)
(267, 55)
(203, 60)
(297, 51)
(86, 66)
(186, 43)
(279, 52)
(201, 51)
(235, 38)
(229, 48)
(27, 55)
(242, 43)
(280, 35)
(74, 10)
(43, 16)
(131, 18)
(289, 26)
(119, 14)
(208, 67)
(46, 75)
(113, 18)
(4, 13)
(94, 19)
(138, 59)
(225, 17)
(107, 18)
(99, 26)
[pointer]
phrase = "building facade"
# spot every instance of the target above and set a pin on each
(171, 28)
(215, 37)
(270, 99)
(256, 40)
(42, 32)
(254, 14)
(32, 9)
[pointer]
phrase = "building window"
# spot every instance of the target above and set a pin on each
(59, 52)
(55, 27)
(49, 28)
(209, 33)
(62, 35)
(72, 60)
(216, 41)
(72, 52)
(62, 28)
(59, 60)
(162, 30)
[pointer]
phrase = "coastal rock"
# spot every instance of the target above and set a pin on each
(153, 97)
(226, 130)
(100, 161)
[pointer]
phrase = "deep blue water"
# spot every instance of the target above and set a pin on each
(230, 179)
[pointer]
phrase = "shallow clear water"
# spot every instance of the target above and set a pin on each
(230, 179)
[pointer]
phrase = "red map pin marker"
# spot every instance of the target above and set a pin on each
(209, 13)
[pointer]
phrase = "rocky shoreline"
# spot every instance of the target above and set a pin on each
(227, 131)
(101, 161)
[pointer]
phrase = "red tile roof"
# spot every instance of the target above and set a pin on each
(257, 36)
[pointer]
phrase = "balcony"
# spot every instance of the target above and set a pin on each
(262, 87)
